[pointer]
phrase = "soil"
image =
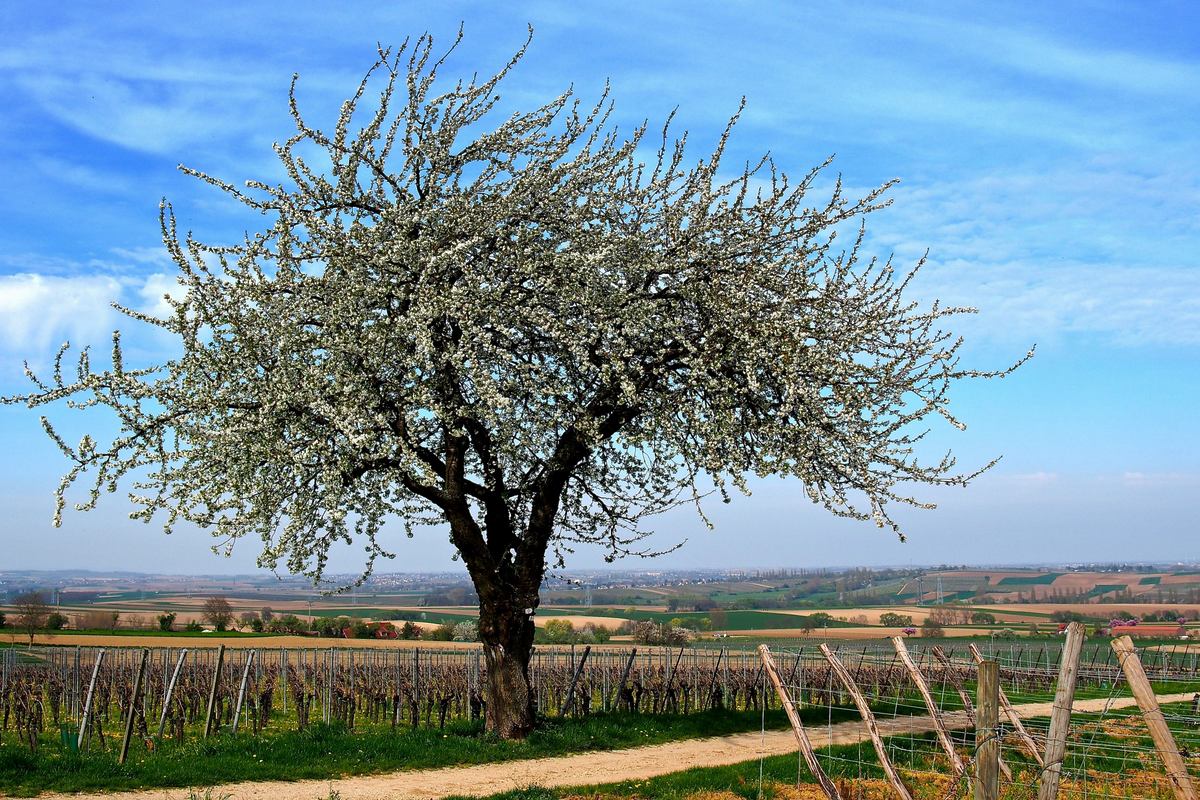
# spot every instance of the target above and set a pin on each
(582, 769)
(839, 634)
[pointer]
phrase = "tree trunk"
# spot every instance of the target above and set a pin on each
(507, 635)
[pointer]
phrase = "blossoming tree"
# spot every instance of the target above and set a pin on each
(534, 332)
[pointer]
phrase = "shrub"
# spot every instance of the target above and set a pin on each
(599, 633)
(166, 621)
(442, 633)
(647, 632)
(466, 631)
(983, 618)
(558, 631)
(288, 623)
(932, 628)
(891, 619)
(410, 631)
(193, 627)
(334, 627)
(56, 621)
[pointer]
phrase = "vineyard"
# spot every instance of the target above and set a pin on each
(117, 703)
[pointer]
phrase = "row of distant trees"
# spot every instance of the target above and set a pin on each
(31, 613)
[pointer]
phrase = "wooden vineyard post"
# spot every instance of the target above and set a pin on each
(212, 691)
(87, 704)
(864, 711)
(987, 727)
(968, 706)
(935, 713)
(570, 701)
(806, 748)
(668, 690)
(1164, 742)
(1060, 714)
(237, 712)
(624, 678)
(162, 720)
(712, 687)
(1018, 726)
(416, 681)
(133, 705)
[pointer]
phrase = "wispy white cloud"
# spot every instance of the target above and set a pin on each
(1097, 249)
(83, 176)
(55, 301)
(1033, 52)
(154, 116)
(38, 312)
(1041, 478)
(1028, 301)
(1159, 479)
(154, 291)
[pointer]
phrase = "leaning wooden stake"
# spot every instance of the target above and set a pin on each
(864, 710)
(87, 705)
(1018, 726)
(616, 696)
(1164, 742)
(133, 704)
(987, 733)
(968, 706)
(570, 701)
(162, 720)
(212, 691)
(237, 712)
(712, 687)
(1060, 714)
(935, 713)
(806, 748)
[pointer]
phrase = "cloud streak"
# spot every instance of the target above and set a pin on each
(38, 312)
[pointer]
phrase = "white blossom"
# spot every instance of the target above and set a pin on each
(514, 326)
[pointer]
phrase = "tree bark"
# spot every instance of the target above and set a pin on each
(506, 631)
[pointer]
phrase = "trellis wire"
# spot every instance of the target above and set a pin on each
(1108, 753)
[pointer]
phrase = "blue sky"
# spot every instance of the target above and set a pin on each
(1048, 161)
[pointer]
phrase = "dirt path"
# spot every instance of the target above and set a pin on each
(581, 769)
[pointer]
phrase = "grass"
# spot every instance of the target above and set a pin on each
(180, 631)
(737, 620)
(1104, 588)
(329, 751)
(858, 763)
(1030, 580)
(741, 779)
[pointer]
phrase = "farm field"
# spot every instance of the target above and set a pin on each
(1009, 612)
(236, 641)
(359, 706)
(851, 633)
(348, 727)
(645, 771)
